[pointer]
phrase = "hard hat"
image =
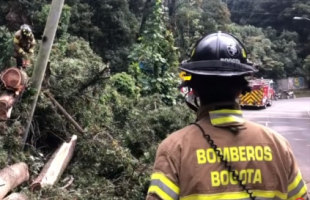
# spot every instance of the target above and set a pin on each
(218, 54)
(26, 30)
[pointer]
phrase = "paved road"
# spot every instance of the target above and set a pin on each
(290, 118)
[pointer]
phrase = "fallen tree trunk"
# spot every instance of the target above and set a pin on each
(16, 196)
(12, 176)
(54, 168)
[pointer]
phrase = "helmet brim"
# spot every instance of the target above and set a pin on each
(217, 68)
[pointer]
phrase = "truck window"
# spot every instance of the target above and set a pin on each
(256, 87)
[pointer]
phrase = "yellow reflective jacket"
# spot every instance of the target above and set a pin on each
(23, 44)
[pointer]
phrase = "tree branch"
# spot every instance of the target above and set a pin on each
(64, 112)
(92, 81)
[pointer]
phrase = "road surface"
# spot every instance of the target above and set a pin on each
(290, 118)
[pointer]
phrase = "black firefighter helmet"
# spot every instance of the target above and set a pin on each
(218, 54)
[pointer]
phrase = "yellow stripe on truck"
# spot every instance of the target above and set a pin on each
(251, 97)
(259, 93)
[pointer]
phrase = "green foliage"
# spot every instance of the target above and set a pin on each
(188, 24)
(276, 55)
(196, 18)
(123, 129)
(6, 48)
(306, 66)
(155, 58)
(124, 84)
(40, 17)
(81, 20)
(116, 31)
(78, 66)
(278, 15)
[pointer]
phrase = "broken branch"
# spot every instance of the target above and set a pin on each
(64, 112)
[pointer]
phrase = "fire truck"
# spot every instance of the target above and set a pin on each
(188, 93)
(261, 95)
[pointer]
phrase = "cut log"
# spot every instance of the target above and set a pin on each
(14, 79)
(15, 82)
(16, 196)
(7, 100)
(12, 176)
(54, 168)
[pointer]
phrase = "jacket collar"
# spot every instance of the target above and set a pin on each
(222, 114)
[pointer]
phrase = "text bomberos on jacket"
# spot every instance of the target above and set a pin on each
(235, 154)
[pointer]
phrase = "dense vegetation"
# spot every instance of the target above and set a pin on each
(128, 114)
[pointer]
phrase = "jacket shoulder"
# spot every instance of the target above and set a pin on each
(278, 138)
(177, 135)
(272, 135)
(174, 143)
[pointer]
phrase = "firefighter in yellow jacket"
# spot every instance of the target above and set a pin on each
(222, 155)
(24, 44)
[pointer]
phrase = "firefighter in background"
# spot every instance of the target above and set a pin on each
(24, 44)
(222, 155)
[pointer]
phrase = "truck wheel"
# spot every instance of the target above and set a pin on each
(270, 103)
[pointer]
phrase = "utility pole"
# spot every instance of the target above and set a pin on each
(42, 58)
